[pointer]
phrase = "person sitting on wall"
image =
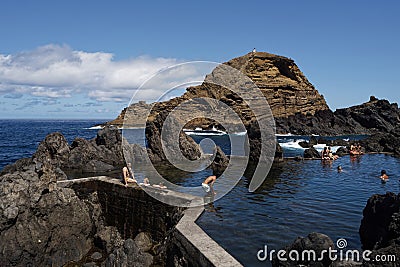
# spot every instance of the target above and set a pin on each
(128, 174)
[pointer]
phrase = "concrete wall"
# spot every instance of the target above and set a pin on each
(131, 210)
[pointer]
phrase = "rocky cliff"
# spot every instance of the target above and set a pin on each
(374, 116)
(296, 105)
(284, 86)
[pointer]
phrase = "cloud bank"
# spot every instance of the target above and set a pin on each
(57, 71)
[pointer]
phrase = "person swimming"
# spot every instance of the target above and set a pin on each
(384, 177)
(339, 168)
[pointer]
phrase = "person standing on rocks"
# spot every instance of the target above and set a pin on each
(128, 174)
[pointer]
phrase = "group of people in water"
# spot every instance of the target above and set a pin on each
(327, 154)
(355, 150)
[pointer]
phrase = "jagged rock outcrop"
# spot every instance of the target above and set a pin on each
(40, 224)
(45, 224)
(380, 225)
(384, 142)
(311, 153)
(220, 162)
(285, 87)
(296, 105)
(187, 146)
(103, 153)
(374, 116)
(380, 228)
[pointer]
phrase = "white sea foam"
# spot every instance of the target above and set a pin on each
(320, 147)
(292, 145)
(239, 133)
(284, 135)
(97, 127)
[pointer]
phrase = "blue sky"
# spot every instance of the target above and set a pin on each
(83, 59)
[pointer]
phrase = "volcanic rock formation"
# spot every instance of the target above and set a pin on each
(284, 86)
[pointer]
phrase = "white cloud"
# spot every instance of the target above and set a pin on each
(55, 71)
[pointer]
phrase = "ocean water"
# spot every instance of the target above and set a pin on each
(297, 198)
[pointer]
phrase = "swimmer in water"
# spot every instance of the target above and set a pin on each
(384, 177)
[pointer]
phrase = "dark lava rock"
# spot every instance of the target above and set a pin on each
(380, 228)
(40, 224)
(129, 255)
(53, 149)
(96, 256)
(20, 165)
(305, 144)
(274, 150)
(380, 224)
(342, 151)
(102, 154)
(371, 117)
(383, 142)
(311, 153)
(97, 166)
(143, 241)
(220, 162)
(278, 153)
(314, 241)
(154, 128)
(107, 238)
